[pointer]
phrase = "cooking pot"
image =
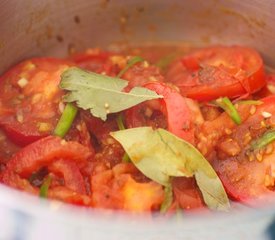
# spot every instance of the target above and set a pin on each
(56, 28)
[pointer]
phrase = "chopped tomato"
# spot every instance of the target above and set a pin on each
(97, 61)
(43, 152)
(175, 108)
(30, 98)
(209, 133)
(140, 74)
(248, 175)
(186, 192)
(98, 128)
(61, 157)
(213, 72)
(67, 195)
(116, 189)
(70, 173)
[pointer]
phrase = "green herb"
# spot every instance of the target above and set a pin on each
(159, 155)
(65, 122)
(250, 102)
(168, 199)
(229, 108)
(131, 63)
(43, 193)
(120, 124)
(165, 61)
(126, 158)
(265, 139)
(101, 94)
(119, 121)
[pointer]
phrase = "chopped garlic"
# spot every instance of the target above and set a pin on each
(19, 117)
(44, 127)
(145, 64)
(61, 107)
(266, 114)
(22, 82)
(29, 66)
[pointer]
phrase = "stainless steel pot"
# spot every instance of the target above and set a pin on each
(53, 28)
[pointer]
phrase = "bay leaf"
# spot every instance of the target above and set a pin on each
(159, 155)
(101, 94)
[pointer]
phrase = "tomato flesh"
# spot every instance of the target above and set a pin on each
(219, 71)
(43, 152)
(244, 176)
(30, 98)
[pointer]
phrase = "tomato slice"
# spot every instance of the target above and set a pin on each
(214, 72)
(30, 98)
(174, 107)
(248, 175)
(43, 152)
(67, 195)
(97, 61)
(187, 194)
(70, 173)
(117, 189)
(140, 74)
(61, 157)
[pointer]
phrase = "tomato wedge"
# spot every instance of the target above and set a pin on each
(30, 98)
(173, 106)
(177, 111)
(43, 152)
(70, 173)
(248, 175)
(62, 158)
(67, 195)
(96, 61)
(214, 72)
(117, 189)
(187, 193)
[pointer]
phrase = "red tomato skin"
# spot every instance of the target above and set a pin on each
(227, 79)
(39, 102)
(71, 174)
(174, 108)
(187, 194)
(177, 111)
(67, 195)
(96, 61)
(244, 180)
(21, 138)
(43, 152)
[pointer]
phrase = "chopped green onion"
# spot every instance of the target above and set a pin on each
(66, 120)
(251, 102)
(165, 61)
(119, 121)
(120, 124)
(126, 158)
(229, 108)
(43, 193)
(264, 140)
(168, 199)
(131, 63)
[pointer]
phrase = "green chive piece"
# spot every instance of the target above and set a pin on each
(250, 102)
(165, 61)
(126, 158)
(229, 108)
(65, 122)
(131, 63)
(264, 140)
(119, 121)
(168, 199)
(43, 193)
(120, 124)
